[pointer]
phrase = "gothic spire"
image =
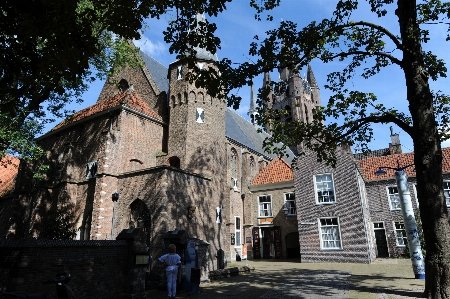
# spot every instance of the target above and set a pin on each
(310, 77)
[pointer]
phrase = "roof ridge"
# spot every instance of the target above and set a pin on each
(126, 97)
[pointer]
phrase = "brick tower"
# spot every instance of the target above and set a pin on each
(197, 121)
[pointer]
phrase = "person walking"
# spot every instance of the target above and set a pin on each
(172, 261)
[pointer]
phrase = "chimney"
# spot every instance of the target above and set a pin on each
(395, 147)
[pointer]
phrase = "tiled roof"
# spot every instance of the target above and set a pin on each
(375, 153)
(372, 164)
(127, 98)
(158, 72)
(276, 172)
(244, 132)
(9, 166)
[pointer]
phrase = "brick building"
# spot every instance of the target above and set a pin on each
(273, 223)
(154, 152)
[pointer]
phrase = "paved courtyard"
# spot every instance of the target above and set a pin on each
(384, 279)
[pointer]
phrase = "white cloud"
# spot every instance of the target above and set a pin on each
(150, 48)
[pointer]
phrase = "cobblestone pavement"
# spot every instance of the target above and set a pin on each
(285, 279)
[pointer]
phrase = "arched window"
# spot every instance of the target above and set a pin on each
(174, 162)
(233, 168)
(252, 169)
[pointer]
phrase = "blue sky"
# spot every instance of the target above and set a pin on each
(236, 28)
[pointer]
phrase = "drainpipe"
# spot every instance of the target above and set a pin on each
(115, 198)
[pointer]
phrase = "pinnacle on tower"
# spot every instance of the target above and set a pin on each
(202, 53)
(310, 77)
(252, 113)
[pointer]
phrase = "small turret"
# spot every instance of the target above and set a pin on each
(252, 113)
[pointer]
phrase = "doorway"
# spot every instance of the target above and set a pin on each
(380, 238)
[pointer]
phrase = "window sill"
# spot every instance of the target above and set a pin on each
(392, 210)
(332, 249)
(325, 203)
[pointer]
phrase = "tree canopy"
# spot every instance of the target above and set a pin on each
(365, 48)
(52, 50)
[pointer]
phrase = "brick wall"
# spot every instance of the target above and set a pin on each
(100, 269)
(356, 244)
(287, 224)
(380, 209)
(143, 84)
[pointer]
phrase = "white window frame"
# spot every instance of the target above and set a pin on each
(291, 207)
(317, 190)
(447, 196)
(401, 230)
(237, 231)
(268, 206)
(330, 226)
(393, 196)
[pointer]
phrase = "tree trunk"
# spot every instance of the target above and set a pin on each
(428, 156)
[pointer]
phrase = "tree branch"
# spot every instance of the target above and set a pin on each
(375, 119)
(383, 54)
(377, 27)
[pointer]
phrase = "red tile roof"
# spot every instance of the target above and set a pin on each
(9, 166)
(127, 98)
(277, 171)
(372, 164)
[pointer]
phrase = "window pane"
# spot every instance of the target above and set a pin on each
(325, 188)
(394, 199)
(400, 233)
(289, 200)
(330, 233)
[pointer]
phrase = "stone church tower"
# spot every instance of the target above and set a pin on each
(300, 97)
(197, 121)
